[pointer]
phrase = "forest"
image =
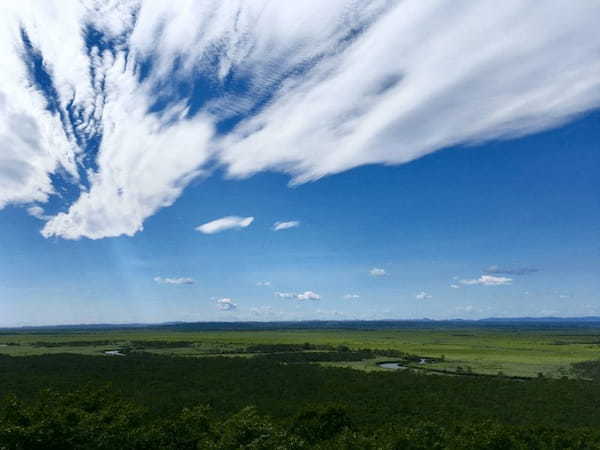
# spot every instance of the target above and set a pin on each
(296, 389)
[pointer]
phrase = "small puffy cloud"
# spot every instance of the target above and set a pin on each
(263, 283)
(487, 280)
(377, 272)
(225, 223)
(499, 270)
(177, 281)
(278, 226)
(307, 295)
(226, 304)
(351, 296)
(423, 295)
(455, 286)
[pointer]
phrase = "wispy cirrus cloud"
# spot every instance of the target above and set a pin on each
(487, 280)
(278, 226)
(98, 98)
(351, 296)
(225, 223)
(306, 295)
(174, 280)
(510, 270)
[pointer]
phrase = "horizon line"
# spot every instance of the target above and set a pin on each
(341, 321)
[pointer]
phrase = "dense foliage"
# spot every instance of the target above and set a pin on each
(98, 419)
(149, 401)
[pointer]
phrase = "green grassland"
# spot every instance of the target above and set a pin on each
(486, 350)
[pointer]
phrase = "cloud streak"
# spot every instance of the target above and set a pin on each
(487, 280)
(499, 270)
(278, 226)
(175, 281)
(98, 99)
(306, 295)
(225, 223)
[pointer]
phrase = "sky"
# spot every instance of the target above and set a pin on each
(229, 160)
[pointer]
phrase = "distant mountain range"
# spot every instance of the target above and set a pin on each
(330, 324)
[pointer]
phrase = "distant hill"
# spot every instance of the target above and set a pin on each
(513, 322)
(542, 319)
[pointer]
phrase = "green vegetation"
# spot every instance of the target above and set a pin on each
(482, 350)
(299, 389)
(95, 420)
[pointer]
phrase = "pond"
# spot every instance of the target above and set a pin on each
(391, 365)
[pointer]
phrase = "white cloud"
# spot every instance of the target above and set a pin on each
(422, 296)
(351, 296)
(225, 223)
(226, 304)
(455, 286)
(307, 295)
(130, 187)
(37, 212)
(487, 280)
(511, 270)
(177, 281)
(420, 75)
(277, 226)
(377, 272)
(264, 283)
(33, 144)
(412, 86)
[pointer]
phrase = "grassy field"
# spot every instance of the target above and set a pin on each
(486, 350)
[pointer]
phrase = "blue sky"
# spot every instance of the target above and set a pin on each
(403, 193)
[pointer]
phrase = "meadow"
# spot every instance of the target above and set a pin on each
(522, 352)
